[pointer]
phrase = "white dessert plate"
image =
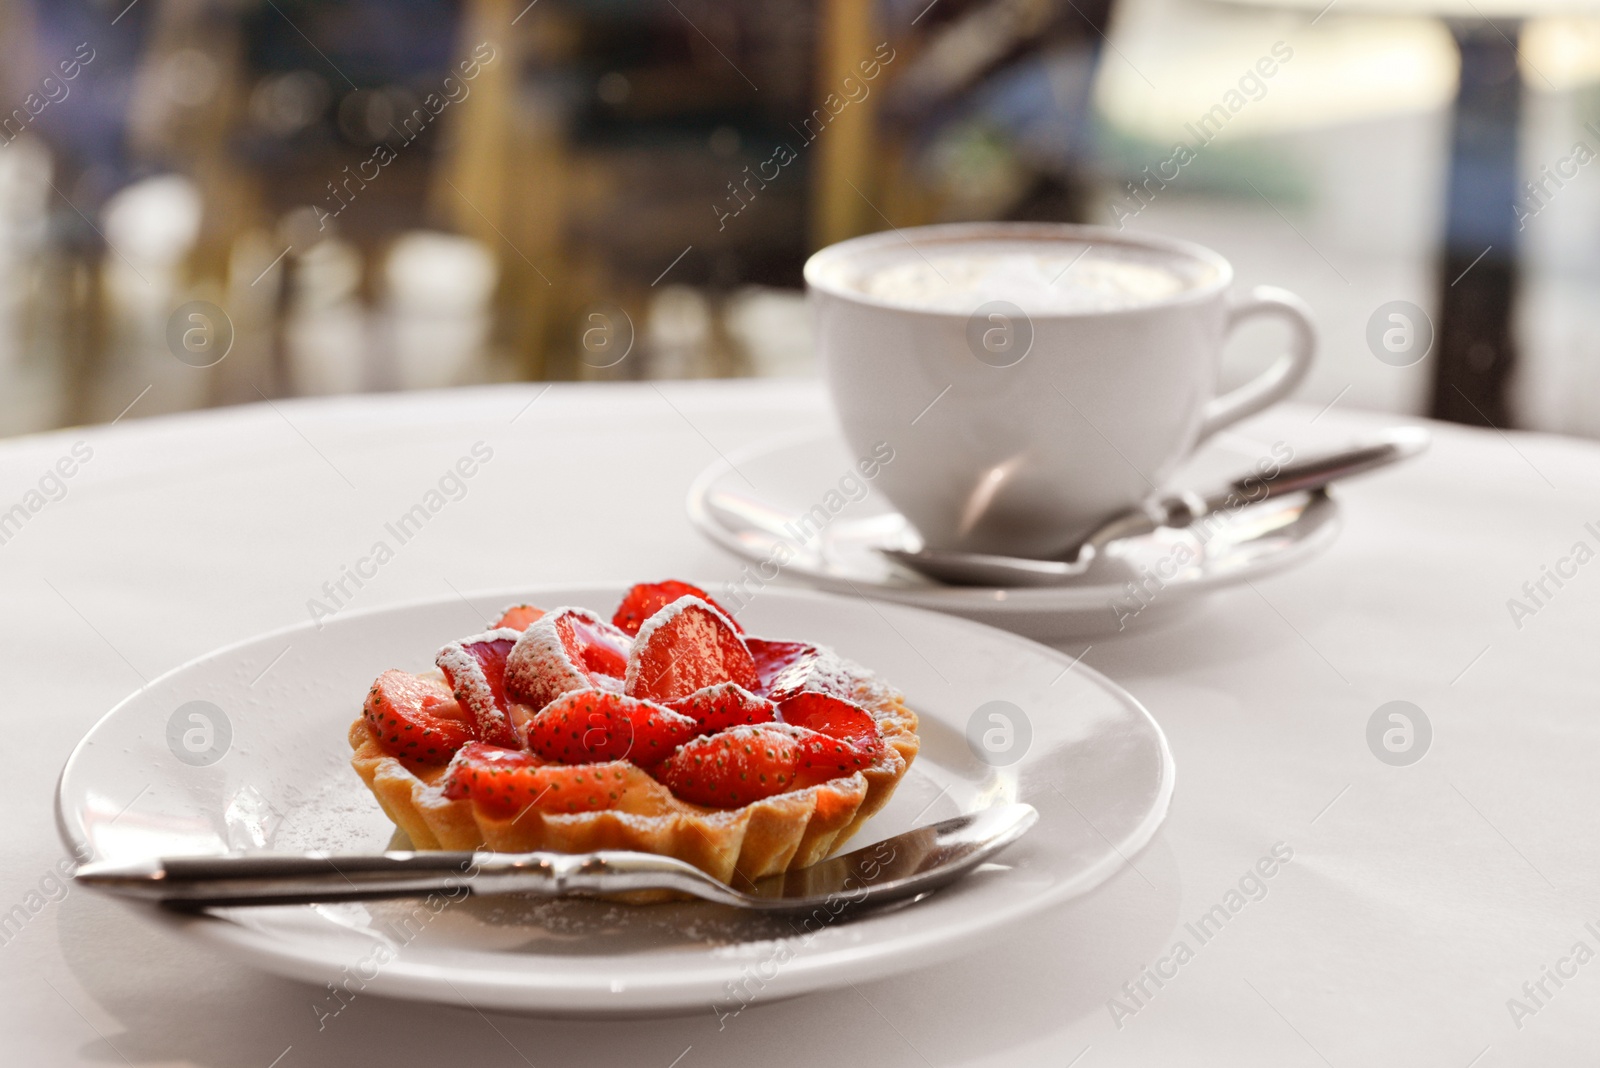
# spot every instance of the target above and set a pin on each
(797, 509)
(1066, 740)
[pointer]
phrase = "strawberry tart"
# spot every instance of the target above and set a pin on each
(666, 730)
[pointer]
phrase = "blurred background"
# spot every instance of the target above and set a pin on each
(209, 202)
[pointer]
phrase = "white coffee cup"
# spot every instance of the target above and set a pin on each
(1019, 429)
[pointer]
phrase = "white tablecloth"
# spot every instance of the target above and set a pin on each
(1416, 903)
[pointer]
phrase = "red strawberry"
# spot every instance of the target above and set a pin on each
(715, 708)
(835, 717)
(588, 726)
(510, 781)
(733, 767)
(519, 616)
(475, 668)
(565, 649)
(788, 668)
(414, 718)
(648, 598)
(772, 657)
(823, 758)
(684, 647)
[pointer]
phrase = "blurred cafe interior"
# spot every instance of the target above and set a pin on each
(375, 195)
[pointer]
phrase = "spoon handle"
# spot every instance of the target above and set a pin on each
(1390, 447)
(1298, 476)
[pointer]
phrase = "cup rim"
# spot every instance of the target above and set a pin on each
(939, 233)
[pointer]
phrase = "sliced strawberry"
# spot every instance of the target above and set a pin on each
(648, 598)
(687, 646)
(414, 718)
(733, 767)
(788, 668)
(773, 657)
(589, 726)
(823, 758)
(519, 616)
(594, 643)
(565, 649)
(475, 668)
(510, 781)
(727, 704)
(835, 717)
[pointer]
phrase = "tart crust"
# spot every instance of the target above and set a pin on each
(779, 833)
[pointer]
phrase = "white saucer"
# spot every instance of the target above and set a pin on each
(749, 502)
(1095, 765)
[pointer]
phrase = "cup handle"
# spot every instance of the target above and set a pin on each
(1277, 381)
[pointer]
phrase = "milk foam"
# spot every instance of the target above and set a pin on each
(1038, 276)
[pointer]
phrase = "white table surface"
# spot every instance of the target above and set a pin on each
(1417, 902)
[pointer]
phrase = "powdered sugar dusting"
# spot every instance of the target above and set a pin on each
(806, 667)
(666, 615)
(482, 698)
(646, 640)
(540, 668)
(725, 704)
(459, 664)
(867, 689)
